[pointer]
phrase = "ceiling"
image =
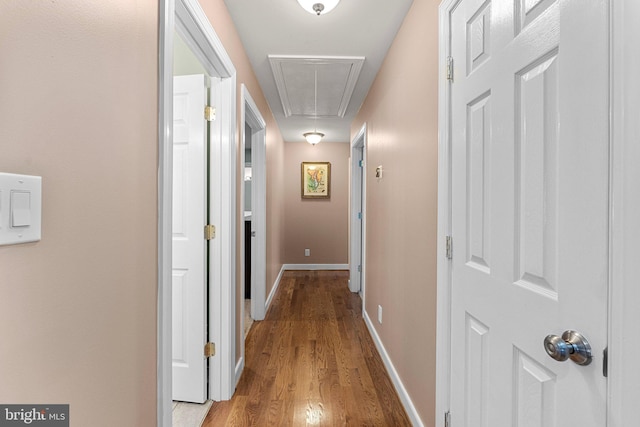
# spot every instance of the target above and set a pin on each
(293, 52)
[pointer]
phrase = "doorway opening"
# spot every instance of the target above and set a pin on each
(254, 202)
(188, 20)
(357, 258)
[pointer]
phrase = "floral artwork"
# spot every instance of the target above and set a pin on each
(316, 180)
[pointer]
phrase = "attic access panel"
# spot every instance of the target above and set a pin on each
(295, 80)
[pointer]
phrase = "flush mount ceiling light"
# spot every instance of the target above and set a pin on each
(314, 137)
(318, 7)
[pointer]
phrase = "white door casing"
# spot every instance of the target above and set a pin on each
(251, 116)
(528, 182)
(189, 246)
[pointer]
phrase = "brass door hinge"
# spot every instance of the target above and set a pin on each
(209, 113)
(209, 349)
(209, 232)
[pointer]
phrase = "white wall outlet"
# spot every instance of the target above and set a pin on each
(380, 314)
(307, 252)
(379, 172)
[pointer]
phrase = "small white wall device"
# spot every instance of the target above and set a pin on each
(20, 208)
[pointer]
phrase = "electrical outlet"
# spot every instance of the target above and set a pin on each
(380, 314)
(307, 252)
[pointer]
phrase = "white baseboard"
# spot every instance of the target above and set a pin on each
(274, 288)
(316, 266)
(239, 369)
(395, 378)
(276, 283)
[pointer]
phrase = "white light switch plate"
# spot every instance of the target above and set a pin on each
(20, 208)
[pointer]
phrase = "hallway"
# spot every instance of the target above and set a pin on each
(312, 362)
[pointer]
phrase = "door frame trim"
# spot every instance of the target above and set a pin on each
(187, 17)
(222, 249)
(250, 115)
(166, 18)
(357, 241)
(443, 287)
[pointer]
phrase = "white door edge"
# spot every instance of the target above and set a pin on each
(358, 194)
(443, 312)
(222, 249)
(259, 223)
(624, 294)
(172, 16)
(242, 260)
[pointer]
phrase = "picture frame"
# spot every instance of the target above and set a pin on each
(315, 180)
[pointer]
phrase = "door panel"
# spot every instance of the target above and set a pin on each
(530, 165)
(189, 214)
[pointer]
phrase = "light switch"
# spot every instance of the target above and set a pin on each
(20, 208)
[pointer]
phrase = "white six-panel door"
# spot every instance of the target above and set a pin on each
(189, 246)
(529, 188)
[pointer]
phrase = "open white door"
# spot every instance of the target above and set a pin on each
(189, 246)
(529, 210)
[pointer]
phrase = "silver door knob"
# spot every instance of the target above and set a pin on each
(571, 345)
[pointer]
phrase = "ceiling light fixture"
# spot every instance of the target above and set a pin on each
(318, 7)
(314, 137)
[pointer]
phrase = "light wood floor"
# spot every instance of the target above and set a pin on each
(311, 362)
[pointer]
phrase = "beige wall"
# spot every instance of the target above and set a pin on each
(401, 115)
(221, 21)
(78, 106)
(320, 225)
(78, 309)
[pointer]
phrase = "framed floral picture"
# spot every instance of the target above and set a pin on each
(316, 180)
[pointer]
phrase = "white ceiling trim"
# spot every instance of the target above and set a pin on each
(284, 81)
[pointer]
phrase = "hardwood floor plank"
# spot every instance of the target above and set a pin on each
(311, 362)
